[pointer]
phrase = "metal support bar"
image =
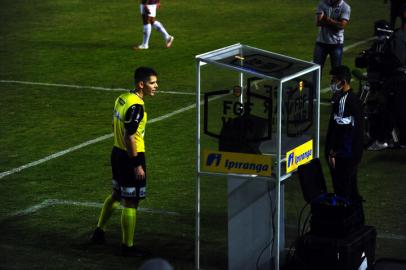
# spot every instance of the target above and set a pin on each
(197, 210)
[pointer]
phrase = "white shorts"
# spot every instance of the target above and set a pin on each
(151, 8)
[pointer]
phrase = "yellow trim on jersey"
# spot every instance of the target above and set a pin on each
(122, 104)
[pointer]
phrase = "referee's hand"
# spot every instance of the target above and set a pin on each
(332, 158)
(332, 162)
(139, 173)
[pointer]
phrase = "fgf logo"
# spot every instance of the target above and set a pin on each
(299, 155)
(239, 163)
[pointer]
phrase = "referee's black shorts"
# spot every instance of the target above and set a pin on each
(124, 182)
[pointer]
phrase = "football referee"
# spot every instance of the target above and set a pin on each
(128, 160)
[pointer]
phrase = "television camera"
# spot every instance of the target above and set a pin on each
(373, 95)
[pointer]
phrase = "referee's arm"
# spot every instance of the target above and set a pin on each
(133, 118)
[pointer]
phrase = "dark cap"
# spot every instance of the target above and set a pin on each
(342, 73)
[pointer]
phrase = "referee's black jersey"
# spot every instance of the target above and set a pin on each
(345, 129)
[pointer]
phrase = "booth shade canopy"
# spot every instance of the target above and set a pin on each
(256, 61)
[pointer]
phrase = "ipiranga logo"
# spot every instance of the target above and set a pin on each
(298, 156)
(228, 162)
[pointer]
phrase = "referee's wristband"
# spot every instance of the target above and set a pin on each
(136, 161)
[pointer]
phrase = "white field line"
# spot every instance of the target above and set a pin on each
(58, 154)
(346, 48)
(325, 103)
(53, 202)
(87, 87)
(101, 138)
(349, 47)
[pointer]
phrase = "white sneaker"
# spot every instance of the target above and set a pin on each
(140, 47)
(169, 41)
(376, 146)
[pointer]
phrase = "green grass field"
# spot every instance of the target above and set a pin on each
(48, 210)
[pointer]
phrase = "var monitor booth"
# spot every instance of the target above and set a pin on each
(257, 121)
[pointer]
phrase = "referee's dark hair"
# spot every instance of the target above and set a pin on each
(342, 73)
(143, 74)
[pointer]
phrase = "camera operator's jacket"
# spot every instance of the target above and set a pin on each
(395, 52)
(345, 129)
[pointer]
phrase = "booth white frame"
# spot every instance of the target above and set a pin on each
(210, 58)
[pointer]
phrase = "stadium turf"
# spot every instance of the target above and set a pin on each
(51, 50)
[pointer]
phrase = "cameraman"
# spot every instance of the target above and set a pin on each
(396, 83)
(378, 71)
(395, 11)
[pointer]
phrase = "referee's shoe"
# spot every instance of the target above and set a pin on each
(98, 236)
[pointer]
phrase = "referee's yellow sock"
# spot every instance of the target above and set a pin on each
(108, 208)
(128, 220)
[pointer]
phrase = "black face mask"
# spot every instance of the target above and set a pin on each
(336, 87)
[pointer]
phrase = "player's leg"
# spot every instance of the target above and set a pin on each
(146, 28)
(131, 193)
(146, 33)
(111, 202)
(128, 225)
(320, 54)
(161, 29)
(336, 55)
(128, 222)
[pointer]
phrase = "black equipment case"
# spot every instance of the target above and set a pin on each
(354, 252)
(336, 217)
(331, 215)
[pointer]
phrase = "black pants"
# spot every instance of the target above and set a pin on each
(396, 8)
(396, 88)
(345, 183)
(380, 112)
(344, 177)
(124, 182)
